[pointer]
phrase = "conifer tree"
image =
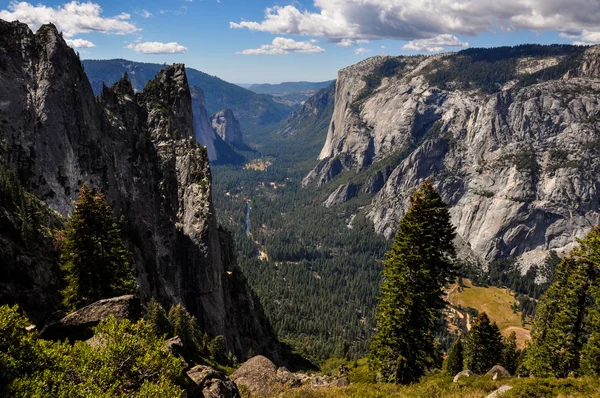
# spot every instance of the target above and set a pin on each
(93, 256)
(510, 354)
(483, 345)
(455, 360)
(416, 270)
(156, 316)
(558, 333)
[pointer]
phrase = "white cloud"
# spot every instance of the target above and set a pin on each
(409, 20)
(154, 47)
(360, 51)
(80, 43)
(435, 44)
(281, 45)
(145, 14)
(350, 42)
(71, 18)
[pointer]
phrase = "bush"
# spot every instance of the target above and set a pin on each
(124, 360)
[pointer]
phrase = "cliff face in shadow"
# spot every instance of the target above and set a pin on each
(140, 150)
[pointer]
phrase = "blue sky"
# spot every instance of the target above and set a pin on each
(258, 41)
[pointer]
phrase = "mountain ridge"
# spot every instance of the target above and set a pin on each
(491, 142)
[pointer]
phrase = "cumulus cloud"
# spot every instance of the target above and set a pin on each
(281, 45)
(350, 42)
(71, 18)
(154, 47)
(80, 43)
(360, 51)
(413, 20)
(435, 44)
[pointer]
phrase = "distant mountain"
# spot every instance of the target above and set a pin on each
(313, 117)
(290, 93)
(254, 111)
(287, 87)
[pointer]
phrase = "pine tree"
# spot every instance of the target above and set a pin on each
(483, 345)
(510, 354)
(455, 360)
(156, 316)
(416, 270)
(184, 325)
(558, 332)
(590, 355)
(93, 256)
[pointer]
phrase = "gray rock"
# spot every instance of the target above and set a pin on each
(205, 134)
(516, 167)
(464, 373)
(209, 383)
(499, 392)
(340, 382)
(342, 194)
(498, 371)
(258, 375)
(78, 325)
(227, 127)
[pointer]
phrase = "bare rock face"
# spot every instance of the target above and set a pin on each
(141, 150)
(341, 195)
(209, 383)
(205, 133)
(227, 127)
(78, 325)
(517, 166)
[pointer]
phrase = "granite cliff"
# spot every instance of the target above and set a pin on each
(227, 127)
(140, 150)
(509, 136)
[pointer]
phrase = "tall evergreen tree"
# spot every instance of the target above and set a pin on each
(510, 354)
(93, 256)
(455, 360)
(558, 333)
(416, 270)
(483, 345)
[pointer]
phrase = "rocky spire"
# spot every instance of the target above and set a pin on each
(227, 126)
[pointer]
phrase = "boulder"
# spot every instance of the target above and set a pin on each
(498, 371)
(78, 325)
(340, 382)
(288, 378)
(258, 375)
(205, 382)
(464, 373)
(499, 392)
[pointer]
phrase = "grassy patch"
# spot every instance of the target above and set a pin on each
(496, 302)
(441, 386)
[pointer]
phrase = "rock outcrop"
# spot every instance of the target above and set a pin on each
(498, 371)
(464, 373)
(516, 163)
(78, 325)
(227, 127)
(499, 392)
(205, 382)
(261, 377)
(140, 150)
(344, 193)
